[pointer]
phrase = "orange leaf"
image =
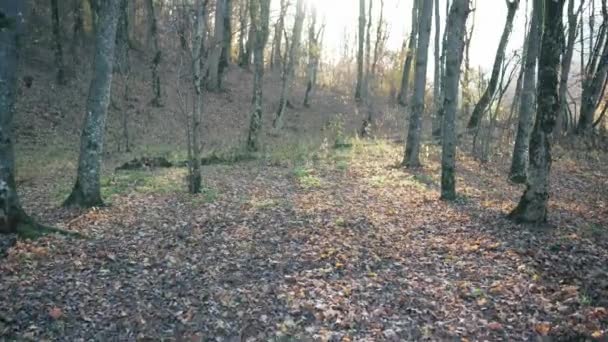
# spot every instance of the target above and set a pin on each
(542, 328)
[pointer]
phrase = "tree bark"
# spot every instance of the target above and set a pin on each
(243, 14)
(532, 207)
(482, 105)
(245, 62)
(195, 179)
(403, 98)
(260, 13)
(87, 191)
(412, 147)
(121, 51)
(156, 60)
(276, 59)
(214, 82)
(519, 163)
(567, 64)
(437, 73)
(57, 43)
(361, 40)
(368, 53)
(226, 56)
(289, 70)
(314, 52)
(454, 46)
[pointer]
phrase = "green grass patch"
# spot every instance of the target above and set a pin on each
(306, 178)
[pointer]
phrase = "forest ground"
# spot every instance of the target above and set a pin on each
(307, 241)
(339, 244)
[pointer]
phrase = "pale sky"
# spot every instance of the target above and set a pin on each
(490, 16)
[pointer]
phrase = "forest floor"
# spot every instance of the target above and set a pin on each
(339, 245)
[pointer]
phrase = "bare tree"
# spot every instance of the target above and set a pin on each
(532, 206)
(438, 70)
(277, 56)
(57, 43)
(454, 46)
(217, 45)
(360, 62)
(243, 22)
(412, 147)
(314, 55)
(519, 163)
(289, 70)
(156, 60)
(87, 190)
(260, 12)
(482, 105)
(409, 56)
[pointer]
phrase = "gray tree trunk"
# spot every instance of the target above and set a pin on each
(260, 14)
(314, 54)
(57, 43)
(467, 92)
(532, 206)
(482, 105)
(438, 70)
(156, 60)
(276, 58)
(121, 51)
(456, 31)
(360, 62)
(567, 63)
(214, 82)
(87, 191)
(12, 216)
(243, 14)
(195, 179)
(412, 147)
(289, 70)
(403, 98)
(245, 61)
(226, 56)
(519, 163)
(368, 53)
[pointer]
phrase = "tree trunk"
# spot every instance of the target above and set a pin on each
(314, 51)
(156, 60)
(361, 40)
(482, 105)
(259, 20)
(57, 43)
(243, 14)
(12, 217)
(595, 78)
(226, 56)
(368, 52)
(532, 207)
(289, 71)
(276, 58)
(409, 56)
(121, 51)
(87, 191)
(437, 101)
(195, 179)
(519, 163)
(467, 93)
(246, 58)
(412, 147)
(215, 78)
(77, 30)
(454, 46)
(567, 64)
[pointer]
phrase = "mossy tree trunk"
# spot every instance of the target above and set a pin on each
(412, 146)
(532, 207)
(482, 105)
(260, 13)
(456, 30)
(87, 190)
(12, 217)
(519, 163)
(410, 53)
